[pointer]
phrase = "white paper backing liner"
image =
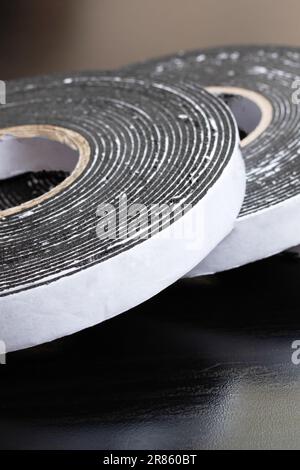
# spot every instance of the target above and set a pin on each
(267, 223)
(155, 142)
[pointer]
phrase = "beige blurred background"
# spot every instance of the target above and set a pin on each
(40, 36)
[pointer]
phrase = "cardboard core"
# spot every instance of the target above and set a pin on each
(34, 148)
(252, 111)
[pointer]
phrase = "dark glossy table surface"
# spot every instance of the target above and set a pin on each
(205, 364)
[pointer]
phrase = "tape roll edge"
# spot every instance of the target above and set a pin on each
(53, 320)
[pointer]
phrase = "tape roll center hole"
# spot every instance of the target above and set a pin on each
(252, 111)
(247, 113)
(31, 167)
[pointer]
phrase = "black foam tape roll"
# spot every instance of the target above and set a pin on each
(269, 220)
(155, 143)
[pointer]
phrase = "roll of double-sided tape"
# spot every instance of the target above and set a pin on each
(261, 85)
(90, 248)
